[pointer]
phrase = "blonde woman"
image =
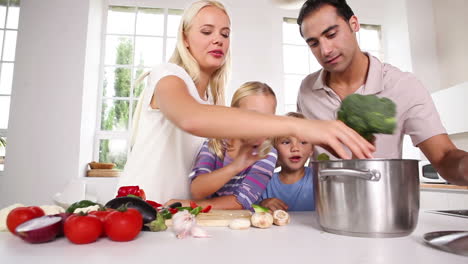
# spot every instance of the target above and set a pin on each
(182, 103)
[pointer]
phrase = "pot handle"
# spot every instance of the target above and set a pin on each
(370, 175)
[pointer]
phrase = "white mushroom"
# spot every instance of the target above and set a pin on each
(280, 217)
(262, 220)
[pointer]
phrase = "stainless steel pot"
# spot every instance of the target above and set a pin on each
(367, 198)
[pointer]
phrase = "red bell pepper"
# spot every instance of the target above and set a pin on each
(193, 204)
(133, 190)
(206, 209)
(154, 204)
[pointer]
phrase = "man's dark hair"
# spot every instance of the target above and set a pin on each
(342, 9)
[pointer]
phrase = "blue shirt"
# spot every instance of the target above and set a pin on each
(299, 196)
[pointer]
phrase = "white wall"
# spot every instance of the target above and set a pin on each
(47, 102)
(451, 20)
(53, 107)
(421, 27)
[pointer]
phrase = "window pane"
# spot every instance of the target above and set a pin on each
(313, 63)
(291, 33)
(150, 21)
(119, 50)
(121, 20)
(139, 86)
(170, 47)
(2, 14)
(117, 82)
(295, 59)
(148, 50)
(2, 32)
(10, 45)
(290, 108)
(369, 38)
(13, 14)
(113, 150)
(114, 115)
(291, 87)
(173, 21)
(4, 111)
(6, 78)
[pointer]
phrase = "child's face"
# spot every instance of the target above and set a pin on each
(261, 103)
(292, 153)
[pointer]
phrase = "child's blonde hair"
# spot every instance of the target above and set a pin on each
(291, 114)
(218, 146)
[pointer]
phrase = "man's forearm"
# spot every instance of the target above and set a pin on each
(454, 167)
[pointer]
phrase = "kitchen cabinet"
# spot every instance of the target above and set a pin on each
(302, 241)
(443, 199)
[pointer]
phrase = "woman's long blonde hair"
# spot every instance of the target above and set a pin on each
(182, 57)
(219, 146)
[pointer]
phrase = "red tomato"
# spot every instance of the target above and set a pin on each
(102, 216)
(20, 215)
(82, 229)
(123, 226)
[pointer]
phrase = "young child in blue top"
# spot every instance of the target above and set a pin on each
(291, 189)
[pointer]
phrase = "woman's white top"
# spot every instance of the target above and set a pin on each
(162, 155)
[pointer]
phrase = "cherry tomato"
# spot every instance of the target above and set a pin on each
(83, 229)
(20, 215)
(123, 225)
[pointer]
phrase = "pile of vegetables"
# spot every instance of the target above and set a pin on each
(85, 221)
(368, 115)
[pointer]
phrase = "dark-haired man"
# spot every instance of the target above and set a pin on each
(329, 27)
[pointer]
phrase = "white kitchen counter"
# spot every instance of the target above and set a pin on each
(300, 242)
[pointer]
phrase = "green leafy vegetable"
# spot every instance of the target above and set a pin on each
(368, 114)
(260, 209)
(323, 157)
(159, 224)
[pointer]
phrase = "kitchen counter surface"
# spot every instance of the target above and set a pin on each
(302, 241)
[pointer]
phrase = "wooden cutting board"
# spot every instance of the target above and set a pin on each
(218, 217)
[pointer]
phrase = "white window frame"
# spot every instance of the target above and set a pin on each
(125, 135)
(4, 131)
(311, 56)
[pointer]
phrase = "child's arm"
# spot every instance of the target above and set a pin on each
(256, 180)
(206, 179)
(274, 204)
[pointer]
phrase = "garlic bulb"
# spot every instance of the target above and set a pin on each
(240, 223)
(281, 217)
(262, 220)
(185, 224)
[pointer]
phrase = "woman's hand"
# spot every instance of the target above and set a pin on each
(274, 204)
(332, 135)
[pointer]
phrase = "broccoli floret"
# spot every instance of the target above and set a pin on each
(368, 114)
